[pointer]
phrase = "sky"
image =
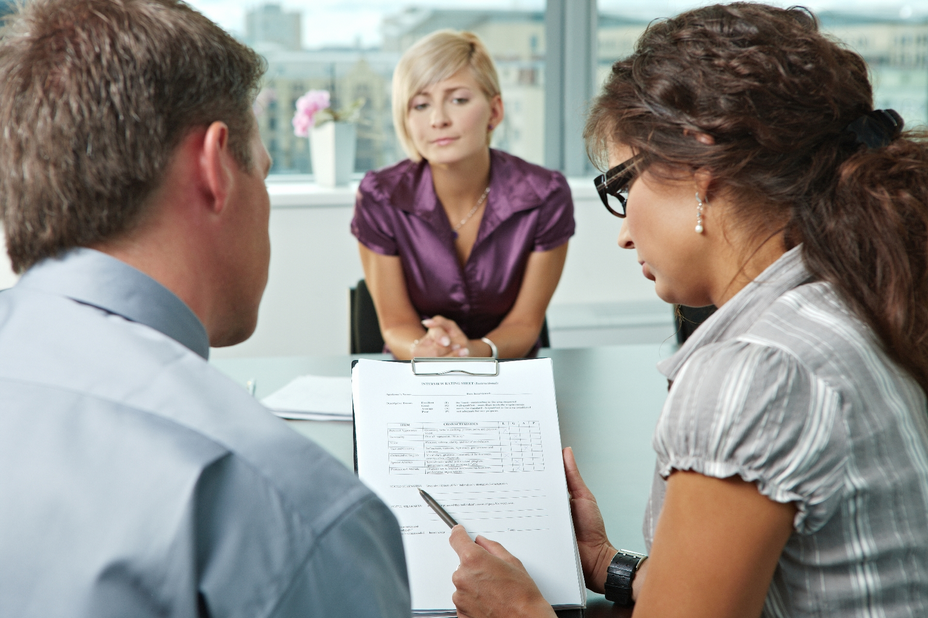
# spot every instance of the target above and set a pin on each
(351, 22)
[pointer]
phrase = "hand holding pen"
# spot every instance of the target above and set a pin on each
(489, 577)
(437, 508)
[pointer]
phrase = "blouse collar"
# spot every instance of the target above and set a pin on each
(509, 193)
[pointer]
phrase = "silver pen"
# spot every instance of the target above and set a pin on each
(437, 508)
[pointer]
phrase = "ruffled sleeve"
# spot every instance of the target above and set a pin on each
(556, 223)
(740, 408)
(371, 224)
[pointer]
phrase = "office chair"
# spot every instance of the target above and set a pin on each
(543, 335)
(365, 329)
(688, 319)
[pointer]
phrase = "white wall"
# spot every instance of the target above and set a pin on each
(597, 271)
(602, 297)
(314, 260)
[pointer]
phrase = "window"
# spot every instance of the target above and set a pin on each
(350, 49)
(893, 41)
(896, 49)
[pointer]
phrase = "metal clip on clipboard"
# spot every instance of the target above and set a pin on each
(484, 367)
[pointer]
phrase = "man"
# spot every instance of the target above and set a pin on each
(135, 480)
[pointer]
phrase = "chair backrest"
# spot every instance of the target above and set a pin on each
(365, 329)
(688, 319)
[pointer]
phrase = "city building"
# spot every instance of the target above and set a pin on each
(269, 24)
(896, 51)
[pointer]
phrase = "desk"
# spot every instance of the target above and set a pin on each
(608, 401)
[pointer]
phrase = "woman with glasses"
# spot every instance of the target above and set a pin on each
(751, 172)
(462, 245)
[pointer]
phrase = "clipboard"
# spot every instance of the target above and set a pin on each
(479, 366)
(481, 436)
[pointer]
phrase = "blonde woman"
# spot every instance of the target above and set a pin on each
(462, 245)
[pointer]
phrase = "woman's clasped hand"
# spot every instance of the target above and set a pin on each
(443, 337)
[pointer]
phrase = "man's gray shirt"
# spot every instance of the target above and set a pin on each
(137, 480)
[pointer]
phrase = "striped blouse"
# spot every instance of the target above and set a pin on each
(784, 387)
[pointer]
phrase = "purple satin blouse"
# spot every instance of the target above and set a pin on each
(529, 208)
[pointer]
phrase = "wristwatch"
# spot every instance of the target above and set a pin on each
(620, 574)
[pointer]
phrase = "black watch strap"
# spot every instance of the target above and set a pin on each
(620, 574)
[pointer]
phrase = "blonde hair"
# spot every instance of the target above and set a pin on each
(432, 59)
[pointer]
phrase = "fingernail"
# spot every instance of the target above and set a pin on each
(425, 323)
(464, 352)
(445, 341)
(456, 347)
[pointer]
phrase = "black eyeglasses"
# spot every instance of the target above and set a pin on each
(613, 186)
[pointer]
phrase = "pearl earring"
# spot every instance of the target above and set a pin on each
(699, 227)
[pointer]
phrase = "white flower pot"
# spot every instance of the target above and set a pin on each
(332, 146)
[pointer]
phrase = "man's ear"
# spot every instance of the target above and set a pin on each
(215, 162)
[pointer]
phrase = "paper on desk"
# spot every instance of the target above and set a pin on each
(488, 450)
(314, 398)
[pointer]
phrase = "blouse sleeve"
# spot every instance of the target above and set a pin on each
(739, 408)
(371, 223)
(557, 216)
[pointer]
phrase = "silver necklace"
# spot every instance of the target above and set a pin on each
(473, 210)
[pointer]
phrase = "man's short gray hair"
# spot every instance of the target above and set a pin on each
(95, 95)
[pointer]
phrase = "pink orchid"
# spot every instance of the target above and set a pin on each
(307, 106)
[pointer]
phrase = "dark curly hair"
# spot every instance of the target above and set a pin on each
(776, 96)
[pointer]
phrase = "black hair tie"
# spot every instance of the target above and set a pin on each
(877, 128)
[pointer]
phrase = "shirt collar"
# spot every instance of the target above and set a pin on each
(415, 194)
(736, 317)
(97, 279)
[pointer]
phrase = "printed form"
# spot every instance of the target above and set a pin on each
(488, 449)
